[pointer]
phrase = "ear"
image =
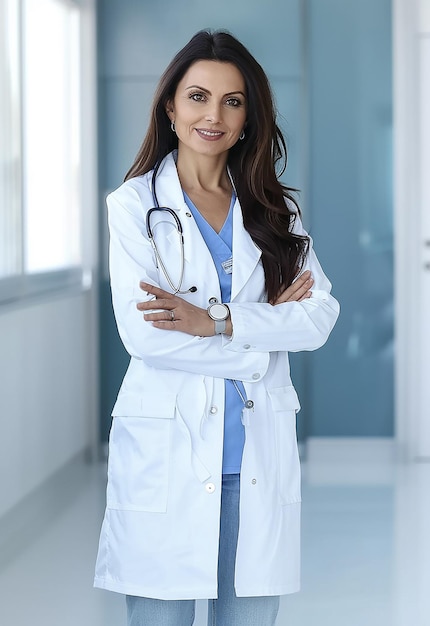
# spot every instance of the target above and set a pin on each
(169, 111)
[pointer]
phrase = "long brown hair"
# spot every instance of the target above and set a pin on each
(268, 207)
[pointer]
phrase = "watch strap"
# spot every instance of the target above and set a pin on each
(220, 326)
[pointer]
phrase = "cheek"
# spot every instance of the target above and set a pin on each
(238, 120)
(188, 119)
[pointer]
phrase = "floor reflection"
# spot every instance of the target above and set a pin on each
(366, 553)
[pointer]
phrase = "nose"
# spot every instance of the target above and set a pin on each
(213, 114)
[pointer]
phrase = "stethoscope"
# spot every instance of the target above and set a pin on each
(248, 404)
(175, 288)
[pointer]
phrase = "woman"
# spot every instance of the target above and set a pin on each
(204, 424)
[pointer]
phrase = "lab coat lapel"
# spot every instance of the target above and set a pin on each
(245, 253)
(196, 253)
(169, 192)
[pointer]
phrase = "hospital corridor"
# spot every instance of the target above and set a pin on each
(351, 97)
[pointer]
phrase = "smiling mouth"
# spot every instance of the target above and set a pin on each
(209, 134)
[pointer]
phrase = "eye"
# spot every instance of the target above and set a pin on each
(233, 102)
(197, 96)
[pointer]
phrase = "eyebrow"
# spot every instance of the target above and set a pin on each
(230, 93)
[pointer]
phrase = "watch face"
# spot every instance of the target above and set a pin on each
(218, 312)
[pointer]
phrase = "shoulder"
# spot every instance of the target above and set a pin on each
(140, 188)
(132, 190)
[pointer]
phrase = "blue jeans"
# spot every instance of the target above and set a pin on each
(227, 609)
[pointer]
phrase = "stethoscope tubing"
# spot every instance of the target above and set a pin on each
(175, 288)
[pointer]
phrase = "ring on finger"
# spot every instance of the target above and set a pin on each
(172, 315)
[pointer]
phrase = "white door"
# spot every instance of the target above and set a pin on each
(411, 42)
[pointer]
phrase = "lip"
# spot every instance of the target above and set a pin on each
(209, 135)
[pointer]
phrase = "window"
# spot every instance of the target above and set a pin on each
(51, 135)
(40, 145)
(10, 140)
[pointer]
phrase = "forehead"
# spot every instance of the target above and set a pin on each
(222, 76)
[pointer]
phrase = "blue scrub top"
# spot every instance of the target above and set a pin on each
(220, 246)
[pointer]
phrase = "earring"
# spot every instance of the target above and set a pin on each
(172, 126)
(242, 135)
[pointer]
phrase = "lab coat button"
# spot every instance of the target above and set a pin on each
(246, 346)
(210, 487)
(256, 376)
(213, 410)
(254, 481)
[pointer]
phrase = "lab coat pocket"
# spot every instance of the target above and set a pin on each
(285, 404)
(139, 454)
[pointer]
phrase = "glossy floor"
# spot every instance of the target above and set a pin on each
(366, 552)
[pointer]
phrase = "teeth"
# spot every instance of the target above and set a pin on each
(210, 133)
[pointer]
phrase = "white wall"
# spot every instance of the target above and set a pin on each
(46, 415)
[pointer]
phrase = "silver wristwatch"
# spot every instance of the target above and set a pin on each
(219, 313)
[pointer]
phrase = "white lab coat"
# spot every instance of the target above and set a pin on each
(160, 533)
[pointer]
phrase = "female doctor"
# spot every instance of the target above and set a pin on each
(214, 281)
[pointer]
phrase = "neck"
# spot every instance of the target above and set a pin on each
(201, 172)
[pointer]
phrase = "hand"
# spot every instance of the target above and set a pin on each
(175, 313)
(298, 291)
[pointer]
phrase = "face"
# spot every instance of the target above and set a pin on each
(209, 108)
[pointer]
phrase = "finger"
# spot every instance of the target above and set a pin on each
(297, 284)
(158, 304)
(304, 287)
(307, 295)
(296, 295)
(294, 292)
(165, 325)
(302, 278)
(155, 291)
(159, 316)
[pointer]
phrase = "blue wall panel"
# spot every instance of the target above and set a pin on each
(126, 108)
(351, 386)
(139, 37)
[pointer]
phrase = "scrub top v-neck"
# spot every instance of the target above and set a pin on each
(220, 246)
